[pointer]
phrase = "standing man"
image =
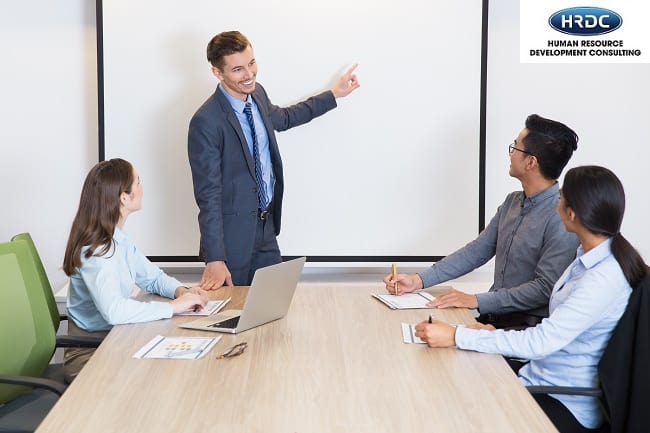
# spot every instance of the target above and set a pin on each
(526, 235)
(236, 164)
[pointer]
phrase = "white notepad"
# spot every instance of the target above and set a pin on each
(408, 333)
(210, 308)
(405, 301)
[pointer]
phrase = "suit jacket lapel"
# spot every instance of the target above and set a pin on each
(234, 122)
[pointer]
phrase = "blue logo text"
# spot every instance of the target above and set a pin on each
(585, 21)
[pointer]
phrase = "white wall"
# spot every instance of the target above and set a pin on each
(48, 120)
(606, 104)
(48, 112)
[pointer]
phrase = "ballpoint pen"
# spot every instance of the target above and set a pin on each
(395, 278)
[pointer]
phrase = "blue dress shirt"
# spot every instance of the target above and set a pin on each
(585, 306)
(100, 291)
(261, 135)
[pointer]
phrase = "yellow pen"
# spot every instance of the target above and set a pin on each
(395, 278)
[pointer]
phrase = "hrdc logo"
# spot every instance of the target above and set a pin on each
(585, 21)
(558, 31)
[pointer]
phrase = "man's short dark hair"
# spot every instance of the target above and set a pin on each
(551, 142)
(225, 44)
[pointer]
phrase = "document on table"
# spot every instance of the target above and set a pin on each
(408, 332)
(177, 347)
(210, 308)
(405, 301)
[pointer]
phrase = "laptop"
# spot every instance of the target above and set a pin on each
(268, 299)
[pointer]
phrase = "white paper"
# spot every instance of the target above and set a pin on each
(405, 301)
(210, 308)
(408, 332)
(177, 347)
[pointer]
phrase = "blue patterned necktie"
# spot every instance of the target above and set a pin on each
(261, 185)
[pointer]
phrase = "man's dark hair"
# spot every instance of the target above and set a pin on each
(225, 44)
(551, 142)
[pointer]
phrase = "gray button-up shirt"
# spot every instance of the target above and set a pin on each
(532, 249)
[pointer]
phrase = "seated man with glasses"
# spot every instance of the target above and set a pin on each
(526, 237)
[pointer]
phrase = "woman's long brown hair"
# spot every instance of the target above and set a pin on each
(99, 211)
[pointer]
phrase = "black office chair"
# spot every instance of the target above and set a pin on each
(624, 369)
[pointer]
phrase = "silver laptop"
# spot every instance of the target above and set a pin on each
(268, 299)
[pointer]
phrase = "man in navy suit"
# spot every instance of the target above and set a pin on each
(236, 164)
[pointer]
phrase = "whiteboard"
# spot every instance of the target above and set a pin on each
(392, 172)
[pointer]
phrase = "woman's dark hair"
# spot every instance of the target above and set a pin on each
(99, 211)
(597, 197)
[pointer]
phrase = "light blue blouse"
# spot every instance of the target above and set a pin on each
(585, 306)
(100, 291)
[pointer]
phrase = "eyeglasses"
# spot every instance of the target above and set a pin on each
(512, 148)
(237, 349)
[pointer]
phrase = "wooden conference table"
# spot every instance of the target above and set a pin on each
(335, 363)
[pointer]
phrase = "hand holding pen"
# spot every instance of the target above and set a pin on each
(188, 302)
(436, 333)
(398, 284)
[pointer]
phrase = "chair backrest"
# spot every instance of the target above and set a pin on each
(44, 282)
(27, 338)
(623, 370)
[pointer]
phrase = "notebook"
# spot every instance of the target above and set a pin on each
(405, 301)
(269, 298)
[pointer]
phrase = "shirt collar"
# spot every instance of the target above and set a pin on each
(594, 256)
(119, 234)
(551, 191)
(235, 103)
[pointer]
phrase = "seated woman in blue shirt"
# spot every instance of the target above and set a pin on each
(585, 305)
(105, 267)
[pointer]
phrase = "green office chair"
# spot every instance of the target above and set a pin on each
(46, 289)
(44, 282)
(27, 342)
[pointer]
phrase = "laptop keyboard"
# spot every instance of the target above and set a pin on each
(228, 323)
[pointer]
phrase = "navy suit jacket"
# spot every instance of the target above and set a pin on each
(223, 170)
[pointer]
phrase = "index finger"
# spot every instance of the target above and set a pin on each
(421, 325)
(351, 69)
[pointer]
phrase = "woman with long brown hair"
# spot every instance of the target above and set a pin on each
(105, 267)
